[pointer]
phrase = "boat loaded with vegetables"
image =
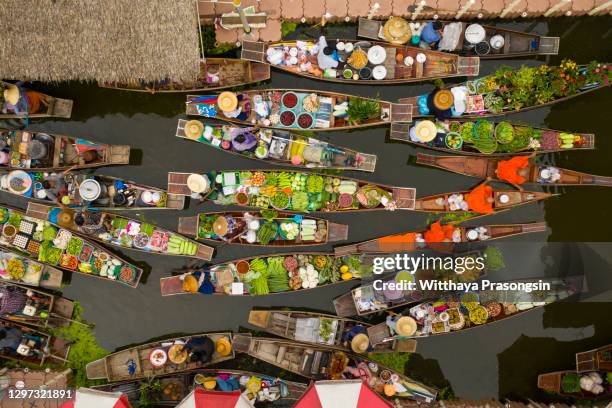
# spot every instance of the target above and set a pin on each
(276, 146)
(163, 357)
(298, 109)
(170, 389)
(53, 245)
(120, 231)
(508, 90)
(290, 190)
(532, 173)
(328, 330)
(483, 137)
(24, 149)
(86, 190)
(360, 62)
(467, 310)
(319, 362)
(34, 307)
(262, 228)
(268, 274)
(17, 268)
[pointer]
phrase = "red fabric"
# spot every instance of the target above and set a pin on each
(67, 404)
(438, 232)
(477, 199)
(310, 399)
(507, 170)
(215, 399)
(370, 399)
(122, 402)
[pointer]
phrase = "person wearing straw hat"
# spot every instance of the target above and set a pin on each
(193, 129)
(405, 326)
(440, 103)
(231, 105)
(19, 101)
(360, 343)
(357, 331)
(397, 31)
(425, 131)
(198, 282)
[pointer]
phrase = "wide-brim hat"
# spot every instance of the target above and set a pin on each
(425, 131)
(197, 183)
(11, 94)
(190, 284)
(65, 218)
(220, 226)
(194, 129)
(405, 326)
(397, 30)
(227, 101)
(360, 343)
(443, 99)
(223, 347)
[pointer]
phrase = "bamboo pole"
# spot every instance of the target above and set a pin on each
(556, 7)
(465, 8)
(601, 7)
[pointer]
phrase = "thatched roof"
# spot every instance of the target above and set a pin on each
(108, 40)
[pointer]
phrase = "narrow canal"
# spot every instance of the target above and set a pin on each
(500, 360)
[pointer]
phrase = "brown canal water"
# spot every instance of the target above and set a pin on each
(500, 360)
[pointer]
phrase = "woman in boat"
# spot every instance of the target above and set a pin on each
(431, 35)
(55, 186)
(200, 349)
(10, 339)
(12, 300)
(198, 282)
(20, 101)
(327, 56)
(480, 199)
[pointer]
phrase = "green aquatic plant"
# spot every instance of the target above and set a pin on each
(494, 259)
(394, 361)
(361, 110)
(287, 27)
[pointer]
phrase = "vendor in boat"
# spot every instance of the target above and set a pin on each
(327, 56)
(10, 339)
(234, 106)
(55, 186)
(514, 171)
(200, 349)
(440, 103)
(480, 199)
(12, 300)
(431, 35)
(198, 282)
(439, 233)
(357, 339)
(20, 101)
(243, 139)
(92, 222)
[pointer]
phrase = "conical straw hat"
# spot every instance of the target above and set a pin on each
(227, 101)
(397, 30)
(405, 326)
(194, 129)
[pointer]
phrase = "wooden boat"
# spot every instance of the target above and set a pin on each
(473, 103)
(567, 384)
(52, 152)
(318, 329)
(597, 359)
(390, 58)
(174, 387)
(53, 245)
(235, 186)
(228, 72)
(123, 232)
(372, 297)
(311, 110)
(321, 362)
(515, 43)
(281, 147)
(244, 227)
(35, 347)
(51, 107)
(35, 274)
(548, 140)
(85, 190)
(138, 362)
(483, 167)
(282, 273)
(412, 241)
(41, 309)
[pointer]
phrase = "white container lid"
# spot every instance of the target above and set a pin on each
(475, 33)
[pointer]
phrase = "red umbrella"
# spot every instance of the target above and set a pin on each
(88, 398)
(200, 398)
(341, 393)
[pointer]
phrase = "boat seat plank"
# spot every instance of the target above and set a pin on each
(404, 197)
(120, 154)
(400, 131)
(369, 162)
(369, 28)
(172, 285)
(63, 308)
(188, 226)
(61, 108)
(401, 112)
(468, 66)
(177, 183)
(253, 51)
(337, 232)
(176, 202)
(36, 210)
(204, 252)
(345, 306)
(241, 343)
(549, 46)
(549, 382)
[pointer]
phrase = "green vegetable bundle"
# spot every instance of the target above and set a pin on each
(314, 184)
(484, 140)
(267, 232)
(504, 132)
(278, 278)
(299, 201)
(467, 132)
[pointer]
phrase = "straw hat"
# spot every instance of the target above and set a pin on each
(425, 131)
(65, 218)
(360, 343)
(190, 284)
(220, 226)
(405, 326)
(397, 30)
(197, 183)
(443, 99)
(223, 347)
(11, 94)
(194, 129)
(227, 101)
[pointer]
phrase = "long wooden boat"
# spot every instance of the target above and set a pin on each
(293, 191)
(470, 96)
(35, 347)
(51, 244)
(123, 232)
(367, 63)
(40, 309)
(52, 152)
(483, 167)
(51, 107)
(470, 309)
(319, 329)
(157, 358)
(26, 271)
(567, 383)
(458, 138)
(174, 387)
(276, 146)
(269, 274)
(215, 74)
(300, 109)
(515, 43)
(597, 359)
(414, 240)
(86, 190)
(326, 363)
(393, 290)
(245, 228)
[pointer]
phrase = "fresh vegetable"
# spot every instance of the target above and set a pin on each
(467, 132)
(280, 200)
(74, 246)
(267, 232)
(484, 141)
(504, 132)
(278, 279)
(314, 184)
